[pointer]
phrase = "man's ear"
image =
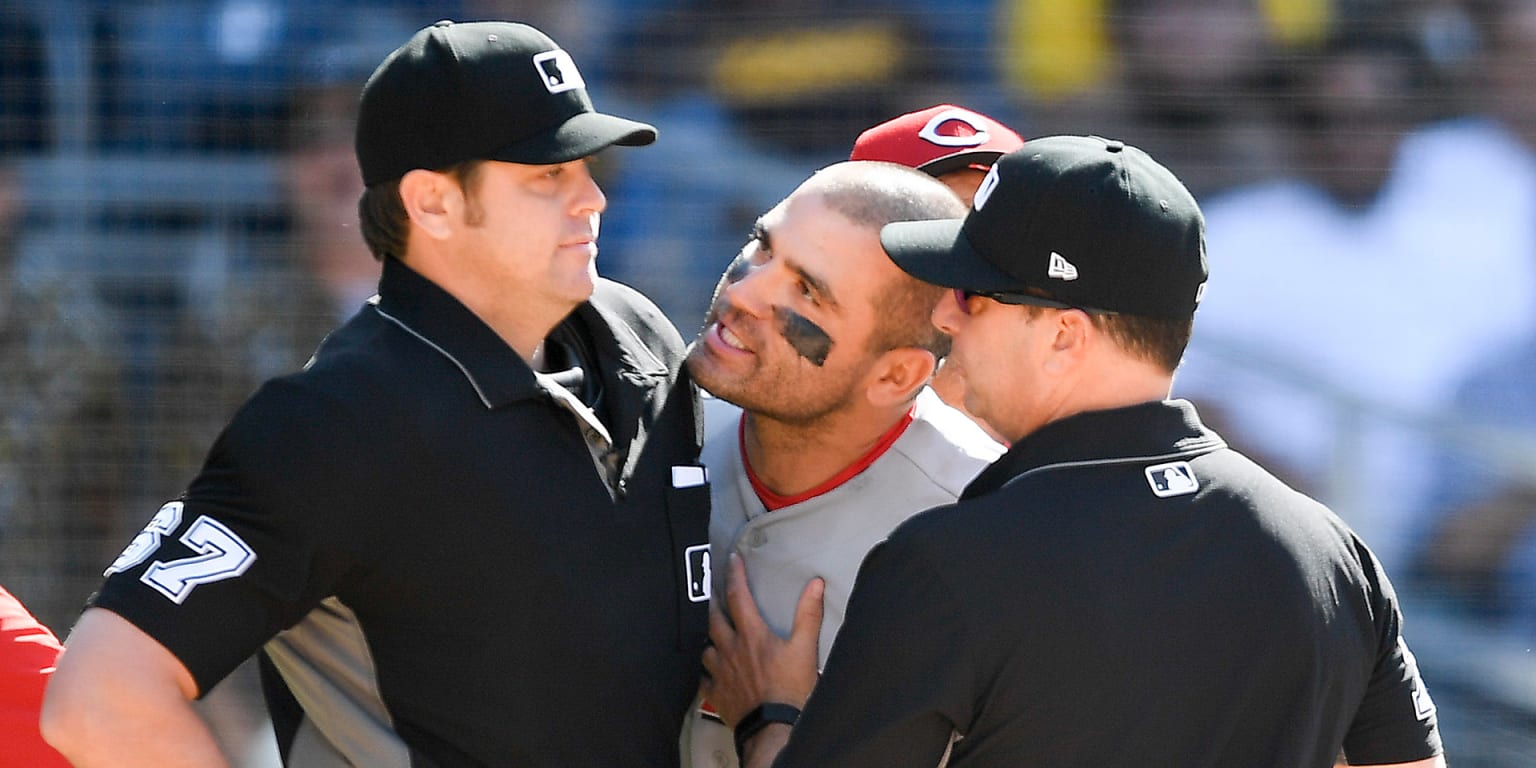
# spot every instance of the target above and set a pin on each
(898, 374)
(429, 199)
(1074, 336)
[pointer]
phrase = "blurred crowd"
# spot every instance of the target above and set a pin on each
(178, 205)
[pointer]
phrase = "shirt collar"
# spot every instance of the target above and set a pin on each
(498, 374)
(426, 311)
(1148, 430)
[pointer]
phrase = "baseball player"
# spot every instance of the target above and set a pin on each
(822, 436)
(952, 144)
(1120, 588)
(467, 533)
(956, 146)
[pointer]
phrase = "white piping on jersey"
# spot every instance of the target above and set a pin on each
(599, 441)
(1187, 453)
(478, 391)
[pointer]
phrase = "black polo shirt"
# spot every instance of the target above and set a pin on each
(417, 532)
(1120, 589)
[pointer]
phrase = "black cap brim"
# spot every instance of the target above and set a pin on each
(938, 252)
(942, 165)
(582, 135)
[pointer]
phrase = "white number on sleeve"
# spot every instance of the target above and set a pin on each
(1423, 705)
(221, 555)
(148, 540)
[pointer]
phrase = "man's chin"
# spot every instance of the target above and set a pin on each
(707, 376)
(698, 366)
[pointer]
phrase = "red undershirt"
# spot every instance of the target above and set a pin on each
(775, 501)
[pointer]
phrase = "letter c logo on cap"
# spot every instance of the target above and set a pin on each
(978, 137)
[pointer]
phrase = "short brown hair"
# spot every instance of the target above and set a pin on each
(382, 218)
(1158, 340)
(906, 312)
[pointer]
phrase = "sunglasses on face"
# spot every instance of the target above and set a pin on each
(963, 296)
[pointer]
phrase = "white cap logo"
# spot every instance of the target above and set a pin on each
(701, 575)
(1060, 268)
(930, 132)
(558, 71)
(984, 192)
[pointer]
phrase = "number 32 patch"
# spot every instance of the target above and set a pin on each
(220, 554)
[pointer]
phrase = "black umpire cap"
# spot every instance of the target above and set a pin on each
(1092, 223)
(491, 90)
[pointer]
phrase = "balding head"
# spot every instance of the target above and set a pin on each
(872, 194)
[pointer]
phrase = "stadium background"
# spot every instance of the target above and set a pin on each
(177, 223)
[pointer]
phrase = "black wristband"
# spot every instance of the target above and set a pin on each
(760, 718)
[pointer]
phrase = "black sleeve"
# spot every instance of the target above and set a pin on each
(256, 541)
(1396, 721)
(898, 682)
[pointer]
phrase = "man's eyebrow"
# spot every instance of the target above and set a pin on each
(817, 286)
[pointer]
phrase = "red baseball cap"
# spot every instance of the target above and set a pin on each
(938, 140)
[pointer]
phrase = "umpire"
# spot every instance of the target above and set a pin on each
(1120, 588)
(470, 532)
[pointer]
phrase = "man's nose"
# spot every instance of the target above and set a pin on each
(951, 312)
(590, 198)
(749, 292)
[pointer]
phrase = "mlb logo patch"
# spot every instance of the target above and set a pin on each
(1172, 479)
(700, 575)
(558, 71)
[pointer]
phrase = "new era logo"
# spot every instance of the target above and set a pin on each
(1060, 268)
(1175, 479)
(558, 71)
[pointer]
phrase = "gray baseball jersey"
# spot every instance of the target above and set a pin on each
(827, 534)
